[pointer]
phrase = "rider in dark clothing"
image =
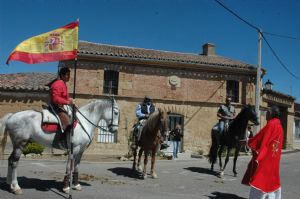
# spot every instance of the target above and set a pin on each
(143, 111)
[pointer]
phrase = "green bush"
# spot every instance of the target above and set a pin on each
(33, 147)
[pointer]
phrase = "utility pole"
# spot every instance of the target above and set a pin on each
(258, 81)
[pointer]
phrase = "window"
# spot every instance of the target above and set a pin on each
(104, 136)
(111, 82)
(232, 90)
(297, 130)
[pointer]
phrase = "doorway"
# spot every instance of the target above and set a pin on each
(173, 120)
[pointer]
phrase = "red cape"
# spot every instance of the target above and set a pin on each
(263, 169)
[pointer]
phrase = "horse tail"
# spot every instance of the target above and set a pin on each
(3, 134)
(213, 151)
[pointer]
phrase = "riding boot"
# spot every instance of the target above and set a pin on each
(75, 178)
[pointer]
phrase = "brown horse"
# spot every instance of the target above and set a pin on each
(150, 141)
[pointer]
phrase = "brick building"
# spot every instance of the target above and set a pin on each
(190, 86)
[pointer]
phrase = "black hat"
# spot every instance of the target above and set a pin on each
(147, 99)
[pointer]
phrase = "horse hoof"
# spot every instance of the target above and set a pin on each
(221, 174)
(154, 175)
(140, 169)
(235, 175)
(17, 192)
(66, 190)
(77, 187)
(145, 176)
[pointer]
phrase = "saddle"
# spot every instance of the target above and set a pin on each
(226, 127)
(51, 122)
(136, 132)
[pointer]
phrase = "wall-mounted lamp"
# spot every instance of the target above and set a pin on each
(268, 85)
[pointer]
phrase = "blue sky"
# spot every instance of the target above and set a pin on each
(171, 25)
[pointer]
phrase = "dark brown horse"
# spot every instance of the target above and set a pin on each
(150, 141)
(231, 139)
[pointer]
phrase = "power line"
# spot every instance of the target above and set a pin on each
(282, 36)
(278, 59)
(236, 15)
(268, 44)
(253, 26)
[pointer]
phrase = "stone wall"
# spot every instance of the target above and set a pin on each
(195, 96)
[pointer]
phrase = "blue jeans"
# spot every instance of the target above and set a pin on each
(175, 148)
(221, 127)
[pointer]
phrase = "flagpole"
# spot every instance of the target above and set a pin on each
(71, 156)
(70, 147)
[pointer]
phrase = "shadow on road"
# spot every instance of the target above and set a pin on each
(38, 184)
(219, 195)
(202, 170)
(127, 172)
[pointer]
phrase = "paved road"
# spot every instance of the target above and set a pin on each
(189, 179)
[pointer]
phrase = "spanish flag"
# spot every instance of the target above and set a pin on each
(59, 44)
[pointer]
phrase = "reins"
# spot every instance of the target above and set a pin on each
(95, 125)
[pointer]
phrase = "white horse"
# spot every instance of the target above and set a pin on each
(25, 125)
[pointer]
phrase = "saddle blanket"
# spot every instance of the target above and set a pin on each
(53, 128)
(51, 122)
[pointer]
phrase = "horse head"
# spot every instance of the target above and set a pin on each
(112, 116)
(164, 118)
(251, 114)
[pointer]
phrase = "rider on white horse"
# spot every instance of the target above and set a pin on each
(60, 97)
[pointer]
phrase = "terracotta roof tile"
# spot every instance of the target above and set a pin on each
(26, 81)
(96, 49)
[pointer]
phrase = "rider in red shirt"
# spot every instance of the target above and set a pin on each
(60, 96)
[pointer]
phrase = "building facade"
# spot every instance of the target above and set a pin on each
(189, 86)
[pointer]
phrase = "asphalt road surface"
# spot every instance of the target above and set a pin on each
(177, 179)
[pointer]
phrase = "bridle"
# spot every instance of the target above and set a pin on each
(96, 125)
(112, 113)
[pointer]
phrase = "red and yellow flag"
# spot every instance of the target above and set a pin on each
(59, 44)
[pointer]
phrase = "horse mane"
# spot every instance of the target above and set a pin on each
(92, 106)
(240, 115)
(151, 122)
(236, 123)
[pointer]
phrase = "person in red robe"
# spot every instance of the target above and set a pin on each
(263, 169)
(60, 96)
